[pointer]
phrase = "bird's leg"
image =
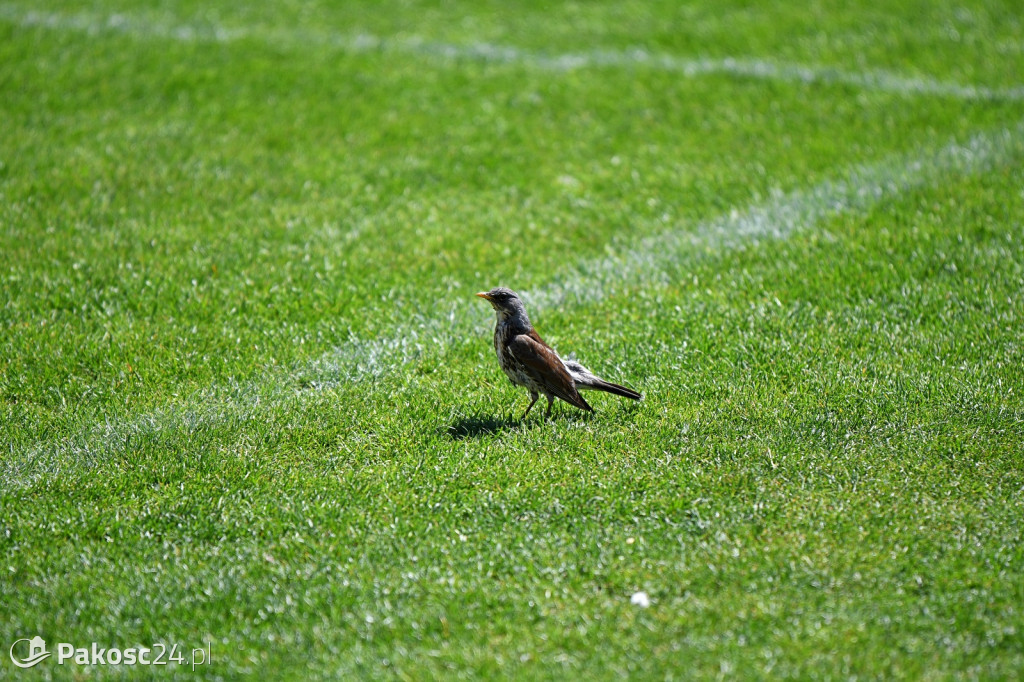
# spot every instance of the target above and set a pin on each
(533, 399)
(551, 401)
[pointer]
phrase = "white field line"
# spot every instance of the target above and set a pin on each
(655, 258)
(654, 261)
(758, 69)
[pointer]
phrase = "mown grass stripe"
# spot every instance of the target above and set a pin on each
(651, 262)
(753, 68)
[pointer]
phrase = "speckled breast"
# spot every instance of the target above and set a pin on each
(512, 368)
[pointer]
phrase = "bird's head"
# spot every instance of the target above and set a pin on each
(505, 302)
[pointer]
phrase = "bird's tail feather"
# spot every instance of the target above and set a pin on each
(586, 380)
(608, 387)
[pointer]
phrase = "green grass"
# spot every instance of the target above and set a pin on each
(234, 409)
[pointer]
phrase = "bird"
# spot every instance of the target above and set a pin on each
(536, 366)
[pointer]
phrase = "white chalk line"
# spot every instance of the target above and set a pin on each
(651, 262)
(752, 68)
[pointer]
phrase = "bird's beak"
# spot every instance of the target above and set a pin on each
(484, 294)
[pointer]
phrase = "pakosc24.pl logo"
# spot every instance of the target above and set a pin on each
(26, 656)
(36, 652)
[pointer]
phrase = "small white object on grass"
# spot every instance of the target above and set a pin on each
(640, 599)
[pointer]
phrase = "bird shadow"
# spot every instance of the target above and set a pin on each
(480, 425)
(476, 426)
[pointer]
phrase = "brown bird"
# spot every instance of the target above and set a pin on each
(533, 364)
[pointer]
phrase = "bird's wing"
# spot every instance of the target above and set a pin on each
(544, 365)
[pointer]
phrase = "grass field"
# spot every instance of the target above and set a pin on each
(248, 400)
